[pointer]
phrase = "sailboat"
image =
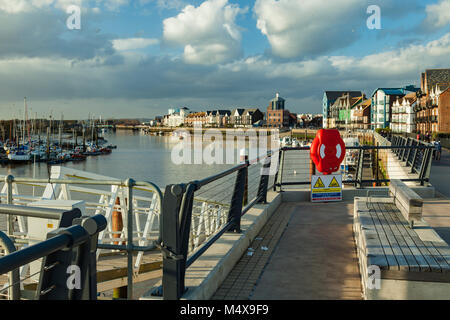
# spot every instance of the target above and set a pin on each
(21, 153)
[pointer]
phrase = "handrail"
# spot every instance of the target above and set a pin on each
(177, 212)
(13, 276)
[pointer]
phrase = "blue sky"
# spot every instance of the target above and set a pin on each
(139, 58)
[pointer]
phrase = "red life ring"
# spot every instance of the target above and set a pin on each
(327, 151)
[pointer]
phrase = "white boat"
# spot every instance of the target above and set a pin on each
(19, 156)
(286, 142)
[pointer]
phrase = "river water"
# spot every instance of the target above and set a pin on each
(138, 156)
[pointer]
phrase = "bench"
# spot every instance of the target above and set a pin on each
(408, 263)
(407, 201)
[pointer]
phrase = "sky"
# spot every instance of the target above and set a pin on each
(138, 58)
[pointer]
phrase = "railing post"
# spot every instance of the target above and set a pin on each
(416, 151)
(264, 180)
(9, 200)
(172, 286)
(427, 158)
(279, 176)
(235, 212)
(129, 184)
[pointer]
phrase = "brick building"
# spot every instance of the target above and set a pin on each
(277, 116)
(433, 82)
(444, 111)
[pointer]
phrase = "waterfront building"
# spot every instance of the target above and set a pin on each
(251, 116)
(430, 116)
(236, 117)
(340, 111)
(403, 114)
(382, 101)
(277, 116)
(360, 114)
(176, 116)
(444, 111)
(196, 117)
(329, 98)
(221, 118)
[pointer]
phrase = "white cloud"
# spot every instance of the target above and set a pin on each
(295, 28)
(208, 32)
(398, 62)
(15, 6)
(438, 15)
(133, 43)
(19, 6)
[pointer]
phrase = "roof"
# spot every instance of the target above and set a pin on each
(391, 91)
(334, 95)
(443, 86)
(435, 76)
(224, 112)
(251, 110)
(411, 97)
(239, 111)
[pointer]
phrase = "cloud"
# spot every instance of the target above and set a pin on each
(166, 4)
(19, 6)
(133, 43)
(308, 27)
(164, 81)
(209, 32)
(438, 15)
(44, 34)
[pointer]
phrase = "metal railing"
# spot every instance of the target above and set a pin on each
(12, 197)
(234, 191)
(66, 249)
(363, 166)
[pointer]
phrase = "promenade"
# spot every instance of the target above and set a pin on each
(307, 251)
(310, 254)
(440, 173)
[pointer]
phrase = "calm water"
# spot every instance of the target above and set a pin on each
(138, 156)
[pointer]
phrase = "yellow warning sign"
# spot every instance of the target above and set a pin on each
(334, 184)
(319, 184)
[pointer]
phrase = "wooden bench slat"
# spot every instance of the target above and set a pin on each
(396, 246)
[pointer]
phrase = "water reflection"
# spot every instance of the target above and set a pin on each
(138, 156)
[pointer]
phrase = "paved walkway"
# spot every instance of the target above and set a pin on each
(440, 173)
(315, 257)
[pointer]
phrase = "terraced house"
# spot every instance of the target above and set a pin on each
(432, 110)
(341, 110)
(403, 114)
(329, 98)
(383, 100)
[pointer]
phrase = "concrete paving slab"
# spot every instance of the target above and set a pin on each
(315, 258)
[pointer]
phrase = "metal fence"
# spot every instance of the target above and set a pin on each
(406, 159)
(136, 233)
(200, 212)
(66, 250)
